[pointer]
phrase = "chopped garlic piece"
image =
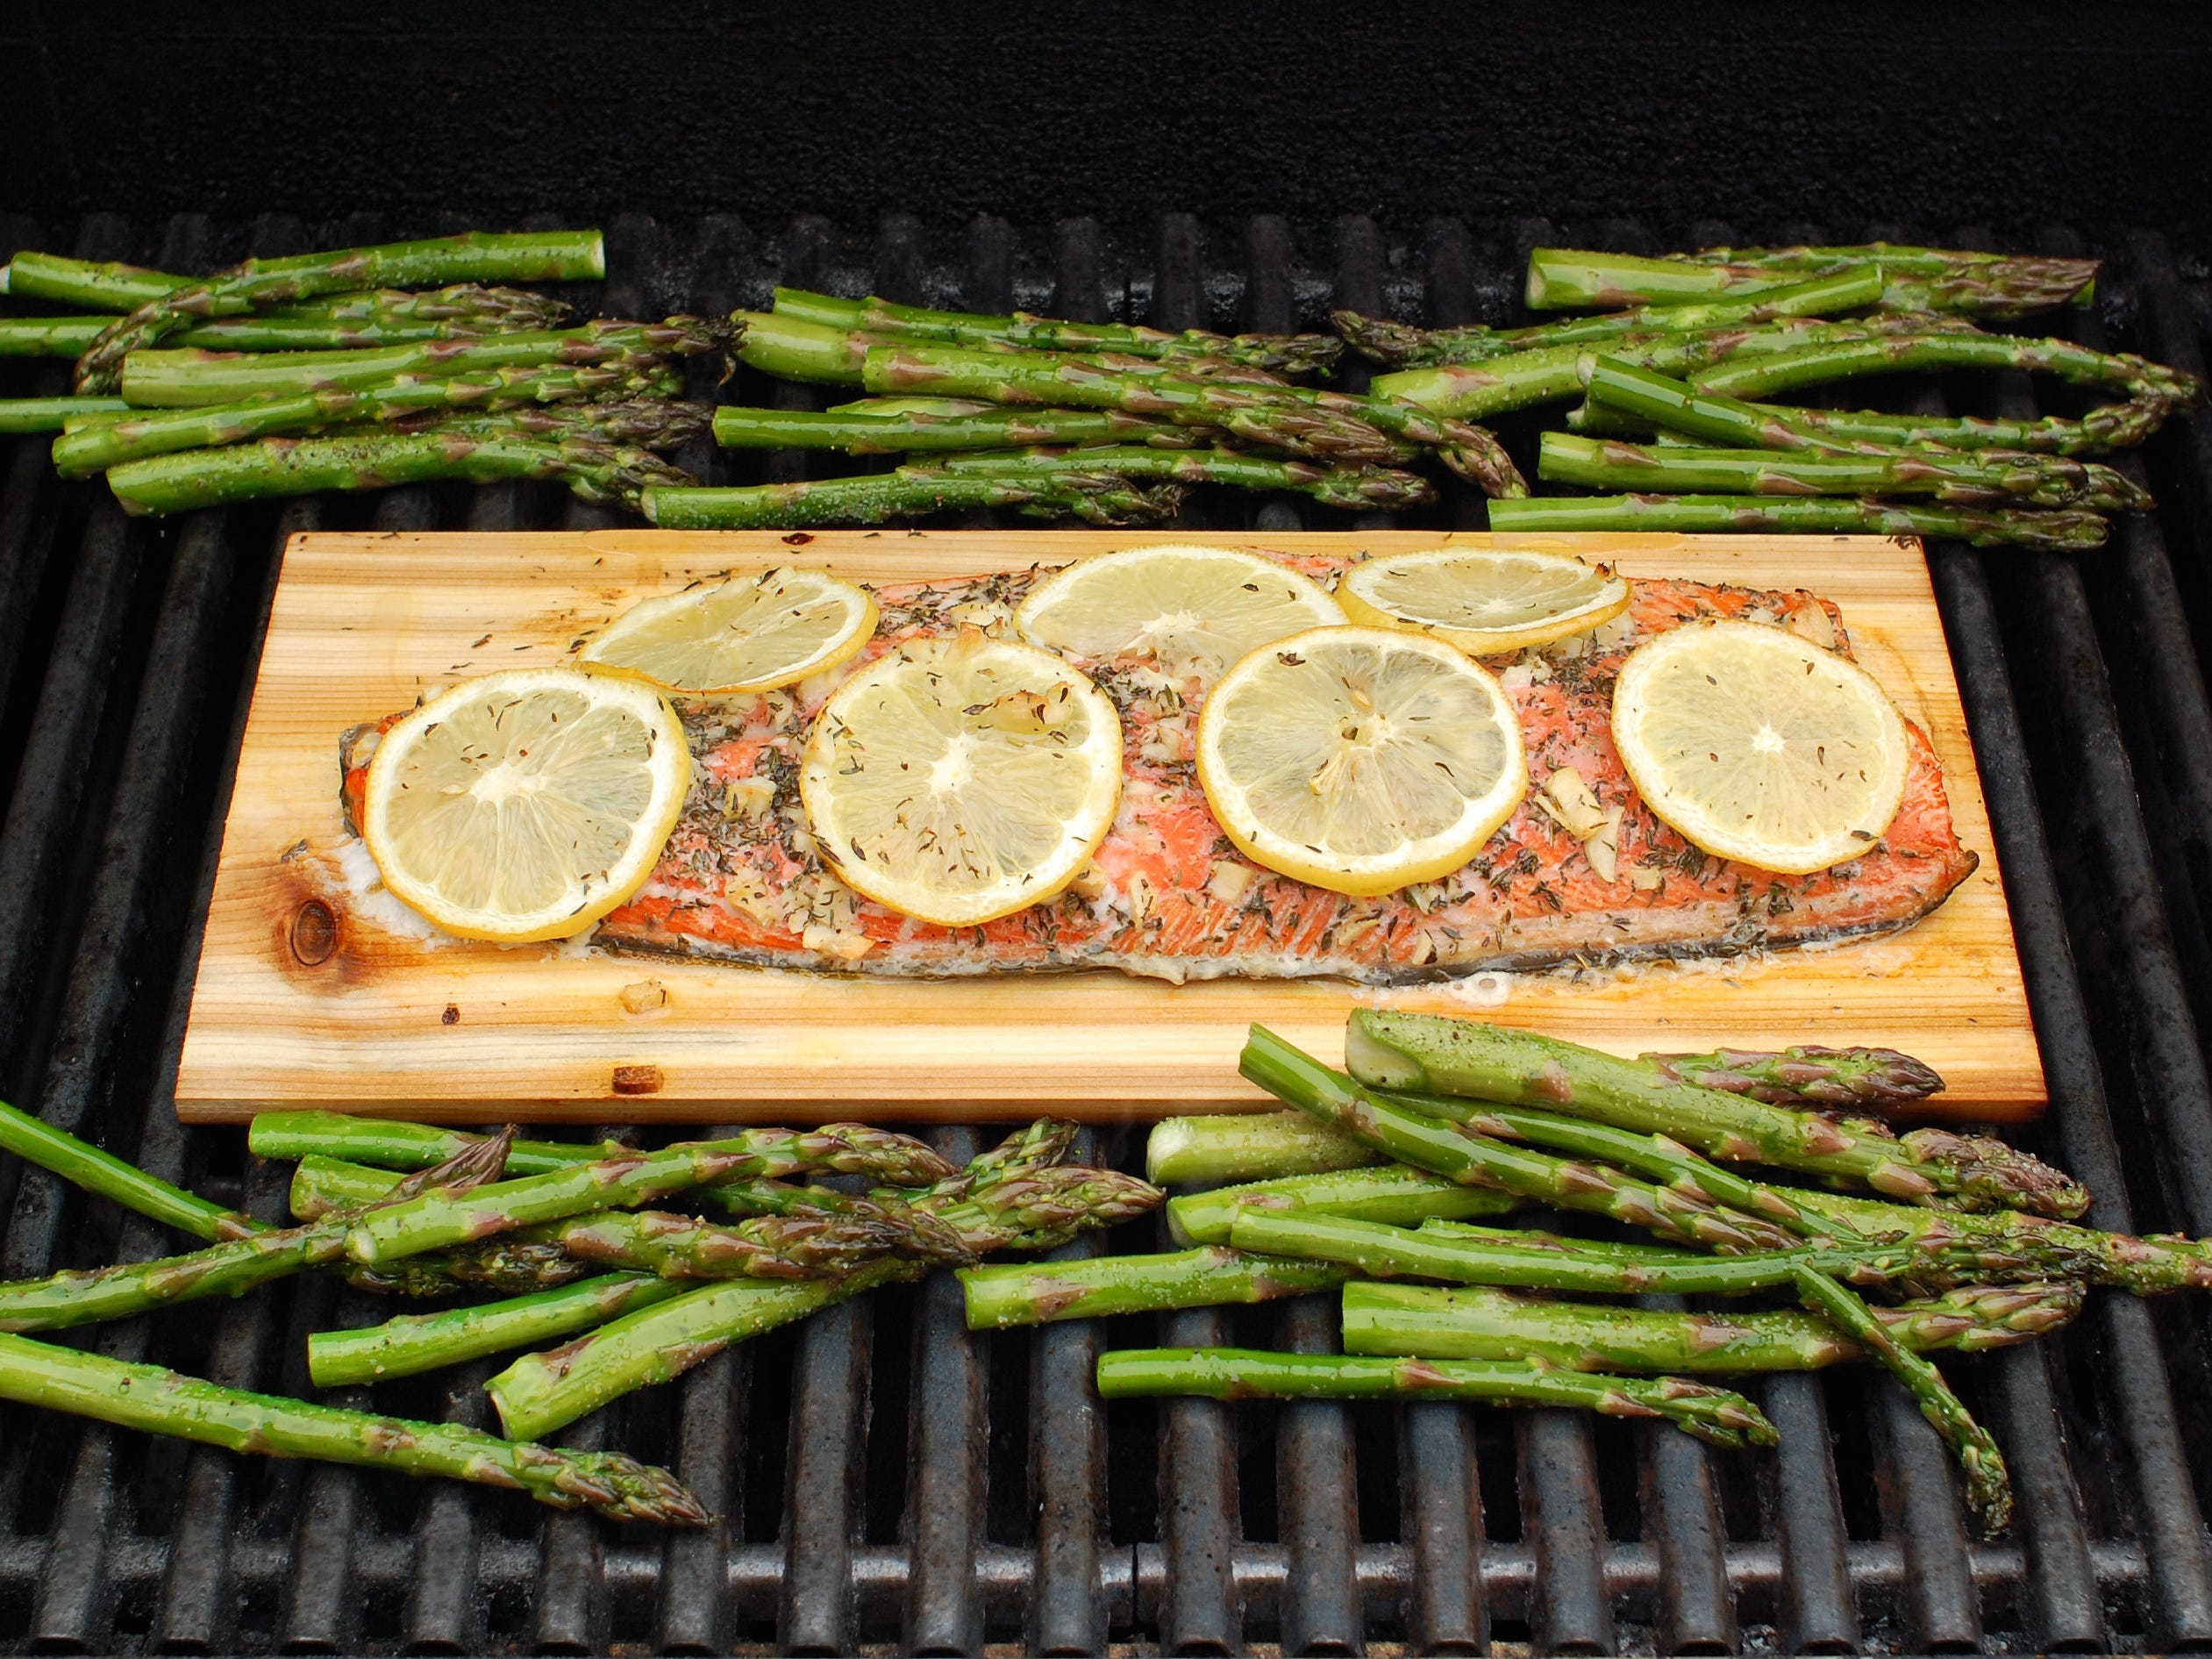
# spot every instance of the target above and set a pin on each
(1811, 621)
(1567, 795)
(831, 943)
(643, 996)
(1089, 883)
(1228, 880)
(747, 797)
(1604, 850)
(1646, 880)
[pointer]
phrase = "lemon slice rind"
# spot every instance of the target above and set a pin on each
(1303, 779)
(525, 805)
(1488, 601)
(1757, 744)
(1195, 609)
(750, 633)
(961, 778)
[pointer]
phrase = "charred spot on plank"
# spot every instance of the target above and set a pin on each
(638, 1080)
(452, 1016)
(796, 539)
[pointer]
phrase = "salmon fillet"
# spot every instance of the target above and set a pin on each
(1169, 897)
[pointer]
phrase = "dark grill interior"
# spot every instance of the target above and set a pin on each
(885, 1479)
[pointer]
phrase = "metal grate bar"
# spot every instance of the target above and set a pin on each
(1817, 1613)
(951, 1425)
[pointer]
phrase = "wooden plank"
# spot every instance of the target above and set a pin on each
(364, 623)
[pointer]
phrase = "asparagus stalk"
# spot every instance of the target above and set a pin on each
(383, 320)
(163, 1402)
(1820, 362)
(911, 492)
(1403, 346)
(1448, 1254)
(1010, 1199)
(2112, 426)
(1038, 1292)
(1989, 1485)
(2066, 530)
(1233, 1147)
(1468, 1057)
(376, 459)
(1914, 279)
(84, 1165)
(1676, 406)
(417, 1343)
(387, 1143)
(62, 1301)
(1713, 1415)
(438, 1220)
(1989, 479)
(864, 433)
(99, 286)
(1877, 1080)
(1480, 1324)
(1243, 412)
(1353, 488)
(1388, 1193)
(186, 379)
(1461, 1155)
(1284, 354)
(81, 454)
(20, 415)
(261, 284)
(644, 423)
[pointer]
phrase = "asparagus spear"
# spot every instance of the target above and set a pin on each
(1231, 1147)
(1713, 1415)
(1676, 406)
(376, 459)
(1403, 346)
(646, 423)
(1009, 1204)
(387, 1143)
(1989, 1485)
(1878, 1079)
(1016, 377)
(868, 434)
(99, 286)
(911, 492)
(392, 320)
(2112, 426)
(1038, 1292)
(1820, 362)
(62, 1301)
(113, 288)
(81, 454)
(162, 1402)
(1284, 353)
(1916, 279)
(1452, 1151)
(52, 414)
(1353, 488)
(1389, 1192)
(2066, 530)
(261, 285)
(1468, 1057)
(83, 1164)
(436, 1220)
(417, 1343)
(1479, 1324)
(1989, 479)
(1446, 1253)
(186, 379)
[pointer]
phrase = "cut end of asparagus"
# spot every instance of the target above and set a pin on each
(1375, 1061)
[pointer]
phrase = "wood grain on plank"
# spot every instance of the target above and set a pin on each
(295, 1006)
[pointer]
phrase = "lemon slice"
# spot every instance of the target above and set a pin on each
(525, 805)
(1197, 610)
(1758, 745)
(961, 778)
(1361, 759)
(1485, 600)
(753, 633)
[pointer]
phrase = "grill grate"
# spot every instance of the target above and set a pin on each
(886, 1480)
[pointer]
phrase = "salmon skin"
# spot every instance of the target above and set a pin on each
(1169, 897)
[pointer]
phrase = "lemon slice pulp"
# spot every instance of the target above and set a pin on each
(1759, 745)
(1361, 759)
(1195, 609)
(961, 778)
(1485, 600)
(751, 633)
(525, 805)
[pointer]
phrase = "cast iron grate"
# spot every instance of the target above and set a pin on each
(886, 1481)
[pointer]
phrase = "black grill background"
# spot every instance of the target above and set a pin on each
(885, 1479)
